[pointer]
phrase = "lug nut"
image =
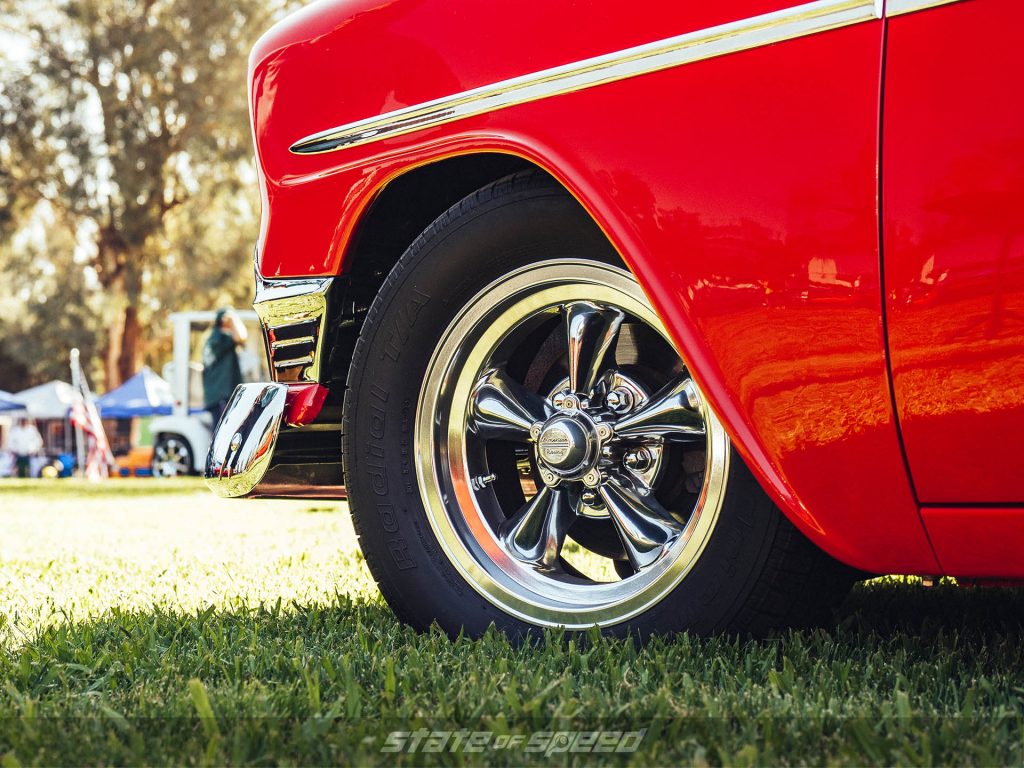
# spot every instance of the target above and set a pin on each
(565, 401)
(619, 400)
(592, 479)
(639, 460)
(604, 432)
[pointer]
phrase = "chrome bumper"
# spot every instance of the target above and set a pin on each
(244, 441)
(269, 442)
(254, 452)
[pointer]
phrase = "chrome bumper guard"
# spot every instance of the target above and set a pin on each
(244, 441)
(254, 453)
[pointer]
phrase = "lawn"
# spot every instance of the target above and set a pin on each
(148, 622)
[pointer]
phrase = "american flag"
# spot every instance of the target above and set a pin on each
(99, 458)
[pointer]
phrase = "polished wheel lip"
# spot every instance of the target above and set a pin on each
(465, 537)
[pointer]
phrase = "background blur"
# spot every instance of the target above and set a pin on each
(127, 185)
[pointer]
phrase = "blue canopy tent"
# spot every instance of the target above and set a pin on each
(144, 394)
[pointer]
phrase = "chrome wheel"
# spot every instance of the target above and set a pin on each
(172, 457)
(568, 463)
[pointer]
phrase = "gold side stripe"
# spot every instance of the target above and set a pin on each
(786, 24)
(899, 7)
(756, 31)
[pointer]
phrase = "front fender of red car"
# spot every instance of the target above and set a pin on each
(740, 189)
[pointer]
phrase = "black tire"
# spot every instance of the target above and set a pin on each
(756, 572)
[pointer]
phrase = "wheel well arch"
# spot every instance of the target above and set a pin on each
(401, 210)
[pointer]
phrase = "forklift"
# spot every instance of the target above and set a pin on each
(182, 440)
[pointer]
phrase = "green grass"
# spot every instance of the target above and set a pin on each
(148, 622)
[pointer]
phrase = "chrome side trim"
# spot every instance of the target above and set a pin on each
(293, 315)
(899, 7)
(756, 31)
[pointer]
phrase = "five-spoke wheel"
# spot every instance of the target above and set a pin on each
(568, 462)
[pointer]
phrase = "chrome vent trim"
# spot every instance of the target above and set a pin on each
(293, 316)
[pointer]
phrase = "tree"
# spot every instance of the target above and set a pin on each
(57, 309)
(129, 114)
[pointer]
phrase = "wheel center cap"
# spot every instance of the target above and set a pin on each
(564, 444)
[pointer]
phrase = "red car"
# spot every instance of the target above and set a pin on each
(667, 316)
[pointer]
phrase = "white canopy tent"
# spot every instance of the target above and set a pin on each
(10, 409)
(9, 404)
(48, 401)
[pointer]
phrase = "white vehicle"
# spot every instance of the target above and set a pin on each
(182, 440)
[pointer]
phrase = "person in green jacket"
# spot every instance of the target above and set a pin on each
(221, 370)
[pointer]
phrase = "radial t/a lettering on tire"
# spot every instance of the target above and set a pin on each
(524, 446)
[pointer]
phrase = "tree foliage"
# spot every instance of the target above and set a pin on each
(125, 142)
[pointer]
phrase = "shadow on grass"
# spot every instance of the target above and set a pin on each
(908, 675)
(893, 606)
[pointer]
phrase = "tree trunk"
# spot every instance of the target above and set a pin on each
(128, 359)
(124, 334)
(112, 355)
